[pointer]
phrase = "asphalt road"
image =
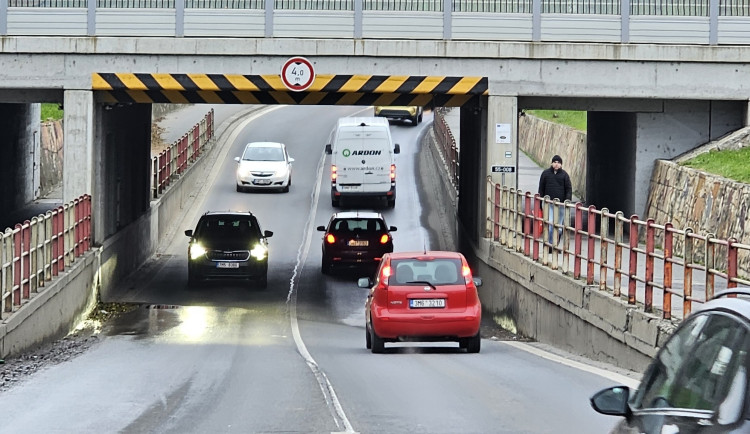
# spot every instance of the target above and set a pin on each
(292, 358)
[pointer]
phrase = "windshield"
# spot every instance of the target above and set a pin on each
(263, 154)
(241, 227)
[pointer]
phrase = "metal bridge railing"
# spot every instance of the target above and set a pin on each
(698, 8)
(648, 264)
(37, 250)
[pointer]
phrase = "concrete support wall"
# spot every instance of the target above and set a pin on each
(682, 126)
(19, 144)
(79, 167)
(471, 170)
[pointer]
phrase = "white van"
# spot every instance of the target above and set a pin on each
(362, 160)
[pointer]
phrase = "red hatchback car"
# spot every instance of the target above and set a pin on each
(426, 296)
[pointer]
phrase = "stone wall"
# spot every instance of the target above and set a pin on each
(51, 158)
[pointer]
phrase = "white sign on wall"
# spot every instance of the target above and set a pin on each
(502, 133)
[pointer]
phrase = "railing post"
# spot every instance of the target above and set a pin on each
(528, 223)
(603, 233)
(687, 292)
(590, 248)
(649, 294)
(578, 242)
(496, 213)
(668, 241)
(17, 265)
(535, 249)
(633, 262)
(619, 239)
(731, 263)
(710, 249)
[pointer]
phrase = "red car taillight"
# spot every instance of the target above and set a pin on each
(384, 239)
(330, 239)
(385, 274)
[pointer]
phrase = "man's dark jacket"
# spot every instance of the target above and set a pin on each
(555, 185)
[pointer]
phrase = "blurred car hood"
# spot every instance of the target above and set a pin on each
(262, 166)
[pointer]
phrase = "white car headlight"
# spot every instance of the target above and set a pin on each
(259, 252)
(196, 251)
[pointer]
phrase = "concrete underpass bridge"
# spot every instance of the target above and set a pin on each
(648, 95)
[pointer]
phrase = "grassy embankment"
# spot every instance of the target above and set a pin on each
(729, 164)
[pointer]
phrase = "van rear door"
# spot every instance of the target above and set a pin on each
(363, 162)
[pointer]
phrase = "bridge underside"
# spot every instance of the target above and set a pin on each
(426, 91)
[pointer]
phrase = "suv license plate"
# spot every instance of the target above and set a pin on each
(428, 302)
(358, 243)
(228, 265)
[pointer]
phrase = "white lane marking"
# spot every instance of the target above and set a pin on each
(332, 400)
(617, 378)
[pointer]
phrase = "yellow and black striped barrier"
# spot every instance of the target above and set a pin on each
(326, 89)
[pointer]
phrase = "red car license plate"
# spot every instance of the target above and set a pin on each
(426, 302)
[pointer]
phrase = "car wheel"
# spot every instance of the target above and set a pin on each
(415, 121)
(335, 203)
(368, 338)
(391, 203)
(472, 344)
(285, 189)
(376, 342)
(239, 188)
(262, 282)
(325, 266)
(419, 118)
(193, 280)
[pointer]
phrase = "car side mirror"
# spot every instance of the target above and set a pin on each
(393, 228)
(364, 282)
(321, 228)
(477, 281)
(396, 149)
(189, 232)
(612, 401)
(328, 149)
(267, 234)
(291, 160)
(237, 159)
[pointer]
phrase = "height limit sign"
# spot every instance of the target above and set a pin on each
(297, 74)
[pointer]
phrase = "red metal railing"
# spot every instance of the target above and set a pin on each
(174, 160)
(657, 262)
(447, 144)
(36, 250)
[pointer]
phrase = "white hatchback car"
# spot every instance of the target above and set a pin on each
(264, 165)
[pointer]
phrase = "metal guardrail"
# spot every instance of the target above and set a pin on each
(607, 248)
(447, 143)
(173, 161)
(38, 250)
(698, 8)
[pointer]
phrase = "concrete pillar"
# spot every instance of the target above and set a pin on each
(79, 168)
(502, 140)
(471, 170)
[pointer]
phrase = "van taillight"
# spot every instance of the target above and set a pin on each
(333, 173)
(393, 172)
(384, 238)
(330, 239)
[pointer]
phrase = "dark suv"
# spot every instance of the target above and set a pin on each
(355, 239)
(228, 245)
(698, 380)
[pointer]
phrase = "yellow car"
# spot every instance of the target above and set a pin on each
(401, 113)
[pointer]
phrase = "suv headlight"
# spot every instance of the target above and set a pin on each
(196, 251)
(259, 252)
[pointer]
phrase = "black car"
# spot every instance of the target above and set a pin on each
(355, 239)
(228, 245)
(698, 380)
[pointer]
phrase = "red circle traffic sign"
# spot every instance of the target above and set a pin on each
(297, 74)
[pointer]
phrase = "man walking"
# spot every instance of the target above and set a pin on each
(555, 183)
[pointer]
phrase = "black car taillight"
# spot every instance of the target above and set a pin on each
(384, 239)
(330, 239)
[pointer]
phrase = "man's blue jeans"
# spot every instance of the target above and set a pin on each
(550, 219)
